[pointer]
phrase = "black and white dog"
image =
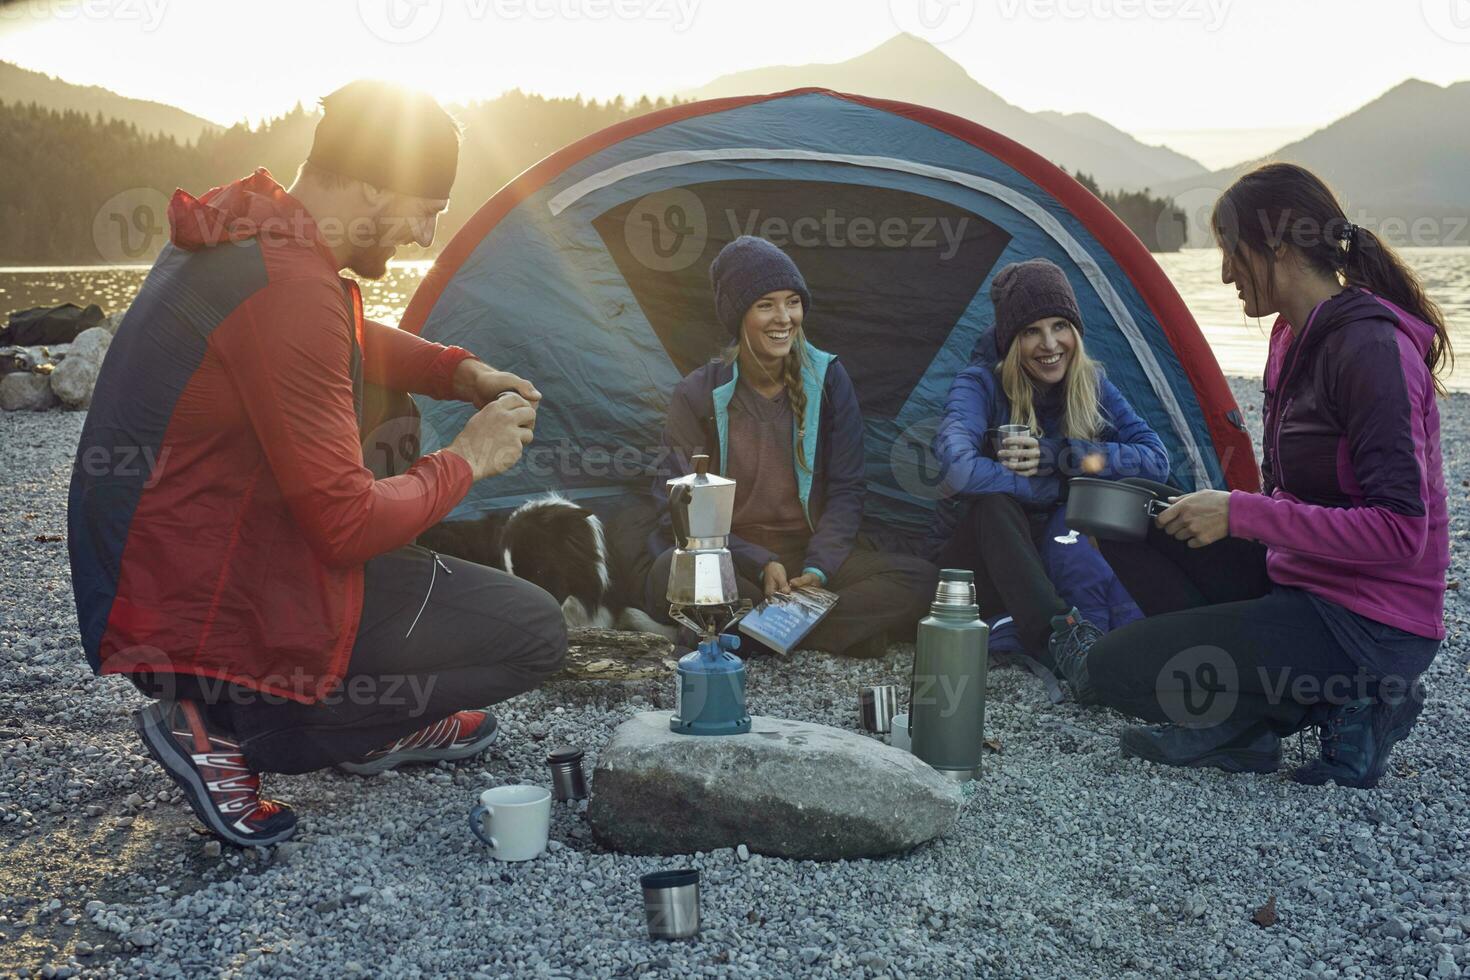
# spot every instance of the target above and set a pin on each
(551, 542)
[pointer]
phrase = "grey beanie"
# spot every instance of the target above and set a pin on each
(747, 269)
(1024, 292)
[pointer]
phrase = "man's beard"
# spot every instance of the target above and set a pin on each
(371, 263)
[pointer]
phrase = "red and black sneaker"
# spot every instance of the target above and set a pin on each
(212, 772)
(460, 736)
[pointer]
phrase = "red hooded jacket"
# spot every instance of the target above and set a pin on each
(220, 513)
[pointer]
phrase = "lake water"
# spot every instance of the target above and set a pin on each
(1239, 343)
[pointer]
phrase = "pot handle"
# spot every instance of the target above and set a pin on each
(1156, 507)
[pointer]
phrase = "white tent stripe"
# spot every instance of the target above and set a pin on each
(1025, 205)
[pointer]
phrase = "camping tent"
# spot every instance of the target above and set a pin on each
(588, 275)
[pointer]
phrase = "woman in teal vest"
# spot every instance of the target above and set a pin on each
(781, 418)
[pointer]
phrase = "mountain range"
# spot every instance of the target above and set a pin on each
(909, 69)
(1400, 159)
(22, 86)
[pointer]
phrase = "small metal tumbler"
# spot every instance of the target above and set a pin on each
(876, 708)
(671, 902)
(568, 782)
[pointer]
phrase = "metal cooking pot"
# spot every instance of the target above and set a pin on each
(1110, 510)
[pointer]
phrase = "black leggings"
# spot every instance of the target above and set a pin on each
(1220, 640)
(996, 538)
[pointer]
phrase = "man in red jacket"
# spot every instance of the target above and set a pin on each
(231, 553)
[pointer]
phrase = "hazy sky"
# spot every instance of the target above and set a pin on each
(1167, 70)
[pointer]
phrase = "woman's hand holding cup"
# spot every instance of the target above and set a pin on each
(1020, 451)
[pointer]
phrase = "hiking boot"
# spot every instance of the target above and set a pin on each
(460, 736)
(211, 770)
(1071, 638)
(1233, 746)
(1356, 739)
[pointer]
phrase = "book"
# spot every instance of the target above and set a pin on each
(783, 620)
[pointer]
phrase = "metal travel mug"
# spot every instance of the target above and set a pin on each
(568, 781)
(671, 902)
(876, 708)
(1009, 431)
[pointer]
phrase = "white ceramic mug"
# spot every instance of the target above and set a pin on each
(513, 820)
(898, 736)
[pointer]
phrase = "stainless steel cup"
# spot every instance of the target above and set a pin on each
(671, 902)
(568, 781)
(876, 708)
(1008, 431)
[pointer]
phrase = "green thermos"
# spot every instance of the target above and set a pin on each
(947, 693)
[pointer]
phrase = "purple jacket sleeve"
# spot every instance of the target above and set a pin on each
(1135, 449)
(959, 444)
(1381, 464)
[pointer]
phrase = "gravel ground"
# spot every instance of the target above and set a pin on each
(1067, 861)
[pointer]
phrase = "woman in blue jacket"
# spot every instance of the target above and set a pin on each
(1000, 501)
(781, 418)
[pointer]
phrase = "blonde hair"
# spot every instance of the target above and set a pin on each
(1081, 418)
(791, 367)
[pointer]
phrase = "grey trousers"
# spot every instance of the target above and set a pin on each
(437, 635)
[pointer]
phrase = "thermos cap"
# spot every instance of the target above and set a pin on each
(957, 575)
(563, 754)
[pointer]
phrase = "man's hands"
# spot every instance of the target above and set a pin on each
(1021, 455)
(493, 439)
(1201, 518)
(774, 580)
(480, 384)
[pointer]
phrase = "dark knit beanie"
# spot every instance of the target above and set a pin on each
(1024, 292)
(747, 269)
(390, 137)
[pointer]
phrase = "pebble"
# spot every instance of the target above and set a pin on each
(1067, 861)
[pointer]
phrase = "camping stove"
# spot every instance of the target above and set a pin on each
(703, 596)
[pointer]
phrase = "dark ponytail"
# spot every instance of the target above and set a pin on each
(1282, 203)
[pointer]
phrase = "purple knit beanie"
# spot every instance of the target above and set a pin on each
(747, 269)
(1024, 292)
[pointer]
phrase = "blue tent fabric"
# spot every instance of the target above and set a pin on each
(594, 285)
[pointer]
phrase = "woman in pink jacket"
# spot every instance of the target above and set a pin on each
(1319, 601)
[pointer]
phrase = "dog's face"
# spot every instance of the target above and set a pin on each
(559, 546)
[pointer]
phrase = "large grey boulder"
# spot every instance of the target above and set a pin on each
(75, 377)
(22, 391)
(786, 789)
